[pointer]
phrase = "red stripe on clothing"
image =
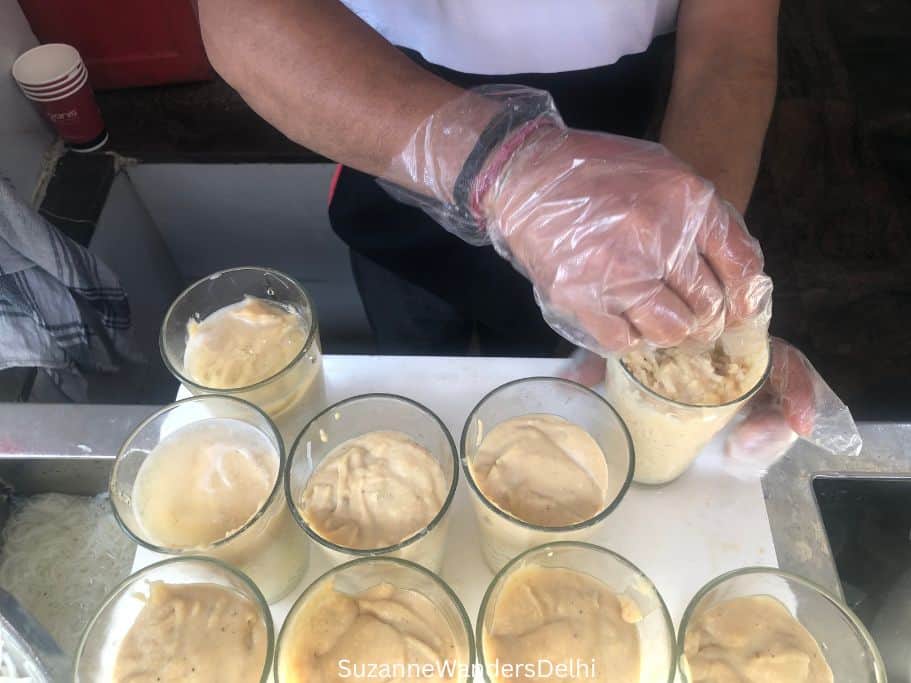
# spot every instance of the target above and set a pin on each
(333, 183)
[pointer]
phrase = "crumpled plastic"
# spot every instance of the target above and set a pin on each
(795, 402)
(623, 242)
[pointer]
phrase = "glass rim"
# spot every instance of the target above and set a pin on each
(261, 510)
(748, 394)
(364, 553)
(183, 379)
(219, 565)
(397, 561)
(828, 596)
(584, 524)
(501, 575)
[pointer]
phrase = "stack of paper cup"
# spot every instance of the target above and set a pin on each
(54, 77)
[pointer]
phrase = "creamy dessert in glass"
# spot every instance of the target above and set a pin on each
(376, 618)
(203, 476)
(374, 475)
(575, 612)
(764, 625)
(250, 333)
(675, 400)
(188, 619)
(547, 460)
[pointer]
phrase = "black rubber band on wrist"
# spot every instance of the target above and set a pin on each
(511, 117)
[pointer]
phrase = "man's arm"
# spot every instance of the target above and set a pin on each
(326, 79)
(723, 90)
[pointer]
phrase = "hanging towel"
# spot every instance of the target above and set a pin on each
(61, 309)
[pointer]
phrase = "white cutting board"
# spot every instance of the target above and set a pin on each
(681, 535)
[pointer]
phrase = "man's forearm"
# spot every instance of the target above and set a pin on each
(324, 78)
(722, 94)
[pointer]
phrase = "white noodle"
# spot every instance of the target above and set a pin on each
(60, 556)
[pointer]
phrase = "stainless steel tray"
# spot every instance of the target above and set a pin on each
(63, 448)
(55, 448)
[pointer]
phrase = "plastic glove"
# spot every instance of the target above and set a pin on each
(621, 240)
(794, 402)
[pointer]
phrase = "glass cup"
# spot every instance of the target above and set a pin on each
(504, 536)
(269, 547)
(291, 395)
(357, 416)
(359, 575)
(623, 578)
(668, 434)
(845, 643)
(98, 650)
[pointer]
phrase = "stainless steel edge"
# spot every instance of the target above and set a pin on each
(800, 538)
(65, 448)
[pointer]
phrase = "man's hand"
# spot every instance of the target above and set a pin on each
(786, 402)
(784, 409)
(795, 401)
(623, 242)
(791, 387)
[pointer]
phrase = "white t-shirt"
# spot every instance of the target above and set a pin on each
(519, 36)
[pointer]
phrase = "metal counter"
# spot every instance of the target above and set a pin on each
(63, 448)
(797, 528)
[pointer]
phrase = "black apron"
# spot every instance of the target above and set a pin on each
(424, 290)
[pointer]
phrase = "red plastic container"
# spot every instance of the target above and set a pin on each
(125, 44)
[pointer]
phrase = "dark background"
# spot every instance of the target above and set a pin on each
(832, 206)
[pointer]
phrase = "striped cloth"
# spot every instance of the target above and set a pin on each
(60, 308)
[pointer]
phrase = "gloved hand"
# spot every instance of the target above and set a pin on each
(794, 402)
(622, 241)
